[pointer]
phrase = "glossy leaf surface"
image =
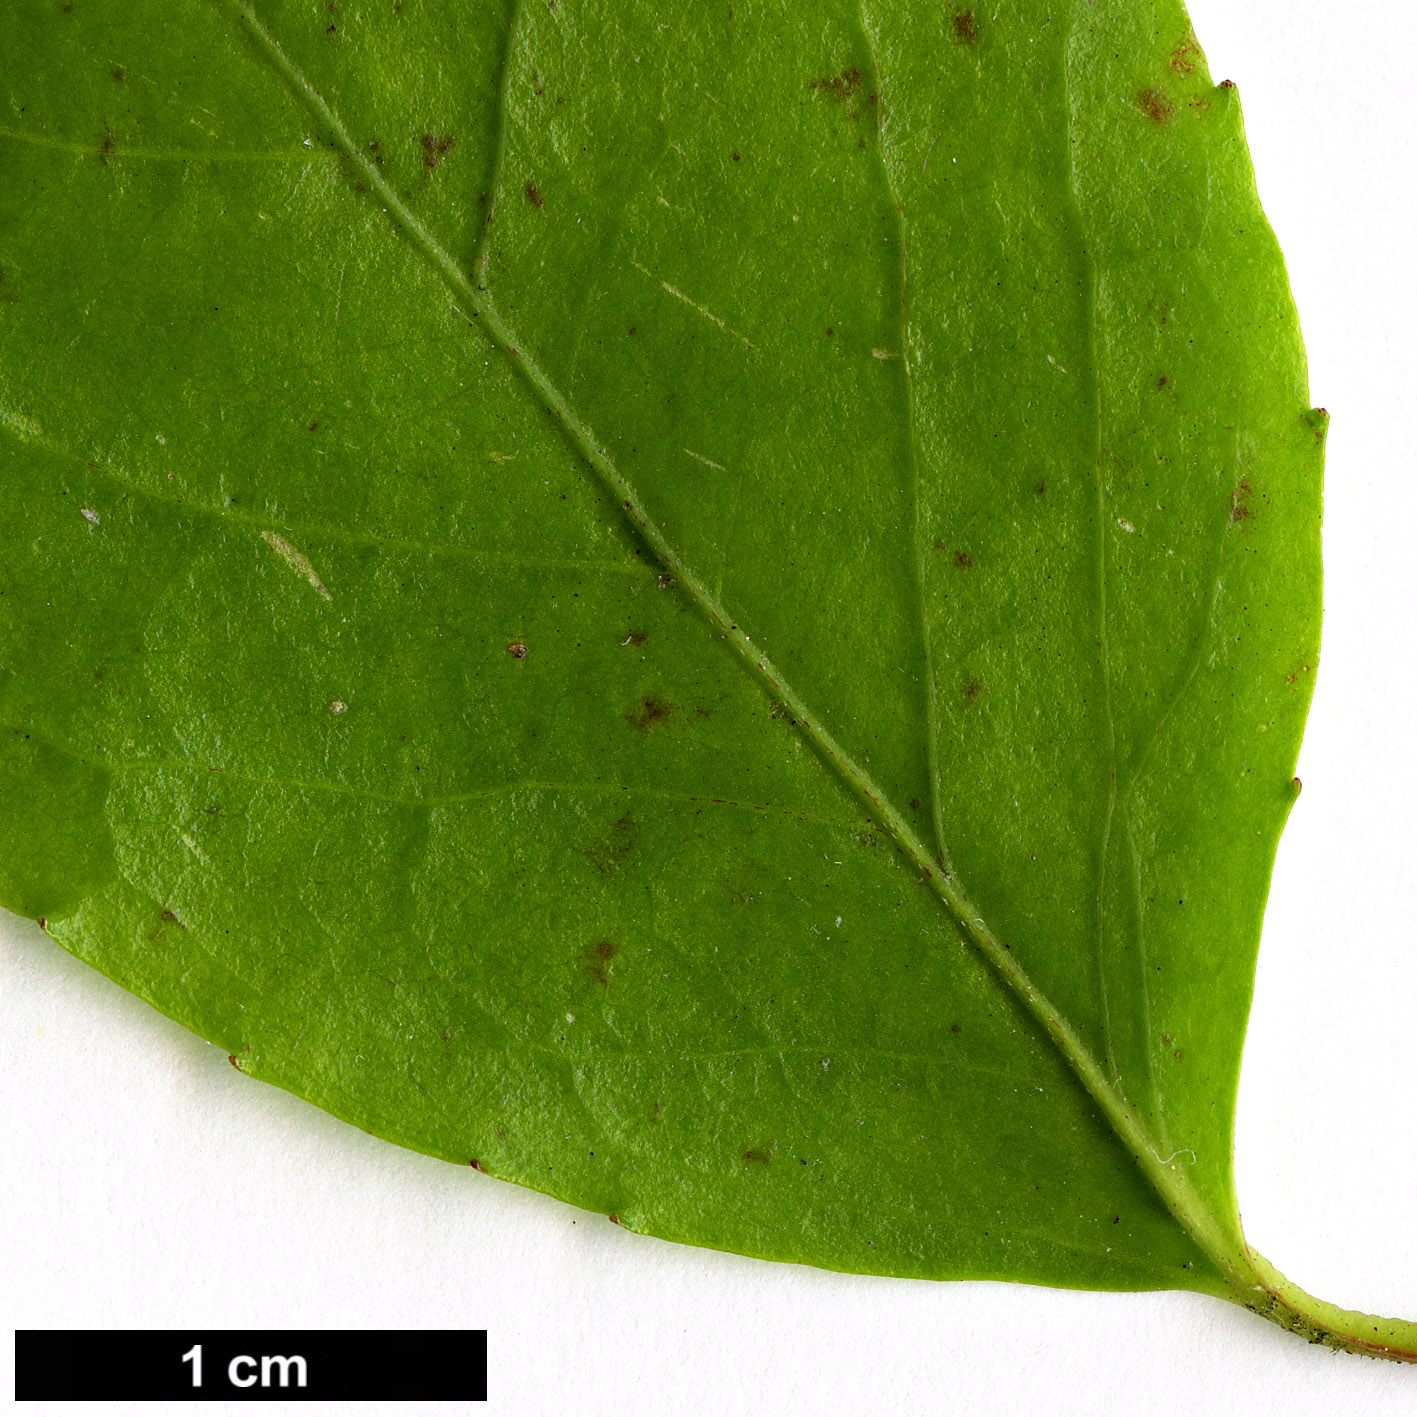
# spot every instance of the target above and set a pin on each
(706, 607)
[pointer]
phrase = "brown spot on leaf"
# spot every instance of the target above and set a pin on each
(636, 637)
(435, 149)
(840, 86)
(1183, 59)
(231, 1058)
(595, 962)
(963, 29)
(169, 918)
(533, 195)
(758, 1155)
(105, 146)
(737, 157)
(1161, 382)
(954, 1028)
(914, 804)
(517, 649)
(613, 1218)
(617, 848)
(1240, 509)
(118, 75)
(972, 691)
(1154, 104)
(477, 1166)
(964, 561)
(651, 711)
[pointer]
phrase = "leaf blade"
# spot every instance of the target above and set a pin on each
(654, 712)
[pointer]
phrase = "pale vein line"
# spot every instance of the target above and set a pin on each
(296, 559)
(1100, 513)
(162, 154)
(435, 802)
(504, 110)
(318, 531)
(705, 312)
(932, 716)
(1175, 1187)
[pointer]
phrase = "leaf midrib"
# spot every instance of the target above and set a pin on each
(1182, 1199)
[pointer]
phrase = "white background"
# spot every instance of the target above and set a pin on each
(143, 1182)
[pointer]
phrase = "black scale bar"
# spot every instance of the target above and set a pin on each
(116, 1365)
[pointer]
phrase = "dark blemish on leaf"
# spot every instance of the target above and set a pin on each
(168, 917)
(1177, 1053)
(534, 196)
(972, 691)
(632, 329)
(1154, 104)
(42, 923)
(447, 1036)
(118, 75)
(964, 561)
(1166, 1038)
(517, 649)
(758, 1155)
(311, 427)
(329, 31)
(840, 86)
(737, 157)
(435, 149)
(650, 712)
(596, 960)
(954, 1028)
(830, 331)
(740, 894)
(105, 146)
(1240, 509)
(613, 1218)
(231, 1058)
(635, 637)
(1161, 382)
(1183, 59)
(963, 29)
(914, 804)
(1041, 490)
(478, 1166)
(611, 854)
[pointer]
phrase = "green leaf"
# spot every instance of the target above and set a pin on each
(708, 611)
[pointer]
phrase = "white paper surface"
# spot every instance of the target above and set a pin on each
(145, 1183)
